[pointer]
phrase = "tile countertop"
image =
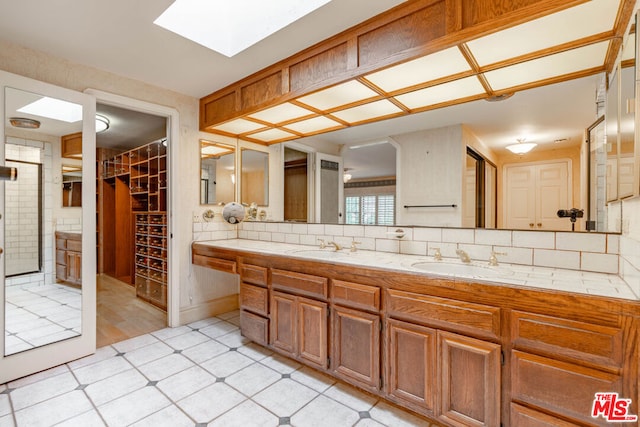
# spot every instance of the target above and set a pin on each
(584, 282)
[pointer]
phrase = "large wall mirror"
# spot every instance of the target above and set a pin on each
(41, 306)
(255, 177)
(217, 173)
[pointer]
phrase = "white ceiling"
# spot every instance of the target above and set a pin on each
(119, 36)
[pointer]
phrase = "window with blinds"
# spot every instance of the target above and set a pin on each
(370, 210)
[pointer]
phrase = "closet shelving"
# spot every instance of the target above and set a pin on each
(135, 238)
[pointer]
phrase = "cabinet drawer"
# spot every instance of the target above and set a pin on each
(61, 243)
(253, 274)
(477, 319)
(575, 341)
(215, 263)
(522, 416)
(254, 327)
(74, 245)
(355, 295)
(254, 298)
(61, 272)
(562, 388)
(299, 283)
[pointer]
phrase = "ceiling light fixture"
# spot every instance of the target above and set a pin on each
(102, 123)
(521, 147)
(24, 123)
(346, 177)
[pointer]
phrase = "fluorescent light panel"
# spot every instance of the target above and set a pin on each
(592, 17)
(336, 96)
(549, 66)
(315, 124)
(229, 27)
(281, 113)
(457, 89)
(421, 70)
(55, 109)
(272, 135)
(368, 111)
(238, 126)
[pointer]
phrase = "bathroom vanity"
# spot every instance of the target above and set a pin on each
(69, 258)
(460, 349)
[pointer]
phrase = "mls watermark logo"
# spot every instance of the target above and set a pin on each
(612, 408)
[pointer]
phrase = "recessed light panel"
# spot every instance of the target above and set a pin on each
(421, 70)
(272, 135)
(336, 96)
(368, 111)
(229, 27)
(571, 61)
(55, 109)
(591, 17)
(281, 113)
(238, 126)
(457, 89)
(316, 124)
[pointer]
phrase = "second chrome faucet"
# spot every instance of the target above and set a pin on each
(464, 257)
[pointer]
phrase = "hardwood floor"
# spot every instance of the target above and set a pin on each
(120, 315)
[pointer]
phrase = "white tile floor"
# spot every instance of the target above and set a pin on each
(202, 374)
(39, 315)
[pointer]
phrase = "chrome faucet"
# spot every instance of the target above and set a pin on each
(464, 257)
(437, 255)
(335, 245)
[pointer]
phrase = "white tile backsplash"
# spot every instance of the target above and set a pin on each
(534, 239)
(581, 242)
(594, 252)
(556, 259)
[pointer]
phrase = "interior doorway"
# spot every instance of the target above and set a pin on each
(132, 223)
(296, 178)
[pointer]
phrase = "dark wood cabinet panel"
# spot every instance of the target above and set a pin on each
(460, 316)
(522, 416)
(411, 365)
(356, 347)
(470, 380)
(355, 295)
(215, 263)
(254, 274)
(300, 284)
(312, 331)
(254, 298)
(255, 328)
(283, 322)
(562, 388)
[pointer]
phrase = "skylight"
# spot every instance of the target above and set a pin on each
(56, 109)
(229, 27)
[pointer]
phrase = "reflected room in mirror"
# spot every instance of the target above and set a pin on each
(39, 308)
(217, 173)
(255, 177)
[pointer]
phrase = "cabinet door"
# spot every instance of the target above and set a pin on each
(411, 367)
(312, 331)
(73, 267)
(469, 380)
(283, 322)
(356, 347)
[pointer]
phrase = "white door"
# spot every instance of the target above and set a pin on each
(34, 340)
(534, 193)
(329, 189)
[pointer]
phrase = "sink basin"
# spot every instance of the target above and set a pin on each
(320, 253)
(458, 269)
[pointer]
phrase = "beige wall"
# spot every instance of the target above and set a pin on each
(41, 66)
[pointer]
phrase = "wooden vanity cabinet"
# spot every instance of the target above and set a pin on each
(254, 303)
(299, 324)
(356, 325)
(435, 369)
(69, 258)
